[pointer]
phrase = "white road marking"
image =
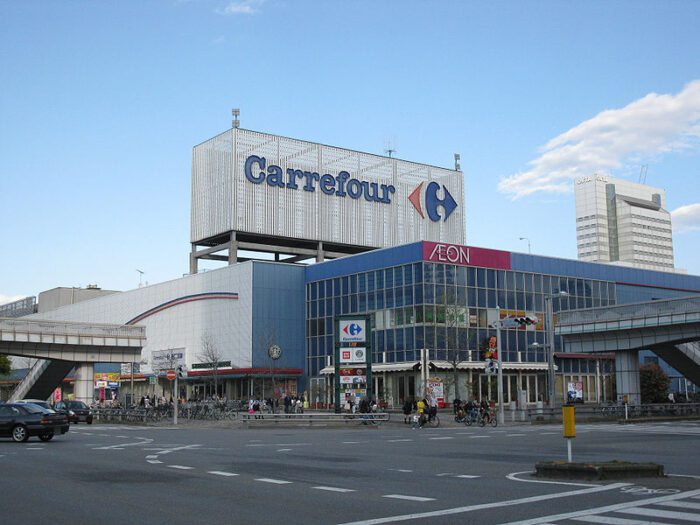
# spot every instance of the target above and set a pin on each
(408, 498)
(475, 437)
(467, 476)
(256, 445)
(496, 504)
(350, 442)
(655, 513)
(513, 435)
(445, 437)
(445, 474)
(512, 477)
(397, 440)
(292, 444)
(154, 461)
(221, 473)
(118, 448)
(619, 507)
(152, 456)
(124, 437)
(135, 444)
(34, 448)
(275, 481)
(333, 489)
(86, 433)
(607, 520)
(181, 467)
(549, 433)
(400, 470)
(283, 449)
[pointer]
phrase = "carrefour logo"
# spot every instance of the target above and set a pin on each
(339, 185)
(352, 329)
(433, 202)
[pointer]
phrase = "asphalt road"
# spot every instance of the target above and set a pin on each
(106, 474)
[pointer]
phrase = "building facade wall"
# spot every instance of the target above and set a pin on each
(624, 222)
(320, 207)
(227, 321)
(414, 303)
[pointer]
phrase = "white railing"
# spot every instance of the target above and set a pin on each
(29, 380)
(67, 328)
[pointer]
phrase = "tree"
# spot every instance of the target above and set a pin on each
(455, 318)
(211, 355)
(5, 365)
(654, 383)
(266, 339)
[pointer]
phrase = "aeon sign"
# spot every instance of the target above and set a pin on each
(340, 185)
(433, 202)
(465, 255)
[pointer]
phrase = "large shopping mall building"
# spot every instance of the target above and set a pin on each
(388, 239)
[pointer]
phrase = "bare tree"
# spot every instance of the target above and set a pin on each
(211, 355)
(455, 319)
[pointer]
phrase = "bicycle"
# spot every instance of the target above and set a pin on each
(471, 417)
(487, 417)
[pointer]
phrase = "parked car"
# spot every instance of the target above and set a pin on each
(37, 402)
(22, 420)
(77, 411)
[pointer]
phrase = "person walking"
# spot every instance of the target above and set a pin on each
(407, 409)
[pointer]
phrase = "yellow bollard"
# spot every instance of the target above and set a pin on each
(569, 427)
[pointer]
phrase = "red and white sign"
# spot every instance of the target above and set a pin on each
(57, 395)
(353, 355)
(465, 255)
(170, 374)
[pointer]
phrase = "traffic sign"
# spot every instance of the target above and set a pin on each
(170, 374)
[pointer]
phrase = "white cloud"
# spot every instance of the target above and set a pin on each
(242, 7)
(686, 218)
(651, 126)
(10, 298)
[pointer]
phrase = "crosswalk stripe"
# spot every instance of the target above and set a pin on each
(654, 513)
(608, 520)
(221, 473)
(681, 505)
(180, 467)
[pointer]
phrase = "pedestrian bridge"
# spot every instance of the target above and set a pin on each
(61, 346)
(670, 328)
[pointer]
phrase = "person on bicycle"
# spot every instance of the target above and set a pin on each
(484, 411)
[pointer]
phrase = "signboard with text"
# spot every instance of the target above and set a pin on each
(465, 255)
(353, 363)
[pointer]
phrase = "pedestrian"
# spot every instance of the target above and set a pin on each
(407, 409)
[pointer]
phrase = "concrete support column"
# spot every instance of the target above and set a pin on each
(84, 382)
(320, 256)
(233, 249)
(627, 376)
(193, 260)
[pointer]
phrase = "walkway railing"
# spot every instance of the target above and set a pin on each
(617, 412)
(634, 315)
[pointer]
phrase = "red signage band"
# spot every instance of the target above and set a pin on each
(441, 252)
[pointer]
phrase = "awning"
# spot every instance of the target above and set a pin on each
(394, 367)
(378, 367)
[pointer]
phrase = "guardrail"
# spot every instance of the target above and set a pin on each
(617, 412)
(314, 418)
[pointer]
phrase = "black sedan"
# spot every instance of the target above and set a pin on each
(77, 411)
(22, 420)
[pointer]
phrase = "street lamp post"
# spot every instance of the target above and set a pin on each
(529, 249)
(549, 321)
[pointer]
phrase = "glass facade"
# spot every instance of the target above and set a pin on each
(445, 308)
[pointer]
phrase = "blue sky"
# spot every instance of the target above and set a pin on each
(101, 103)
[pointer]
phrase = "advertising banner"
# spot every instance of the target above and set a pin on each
(574, 392)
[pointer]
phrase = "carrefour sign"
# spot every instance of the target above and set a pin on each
(352, 331)
(340, 185)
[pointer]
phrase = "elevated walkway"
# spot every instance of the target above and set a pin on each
(670, 328)
(61, 346)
